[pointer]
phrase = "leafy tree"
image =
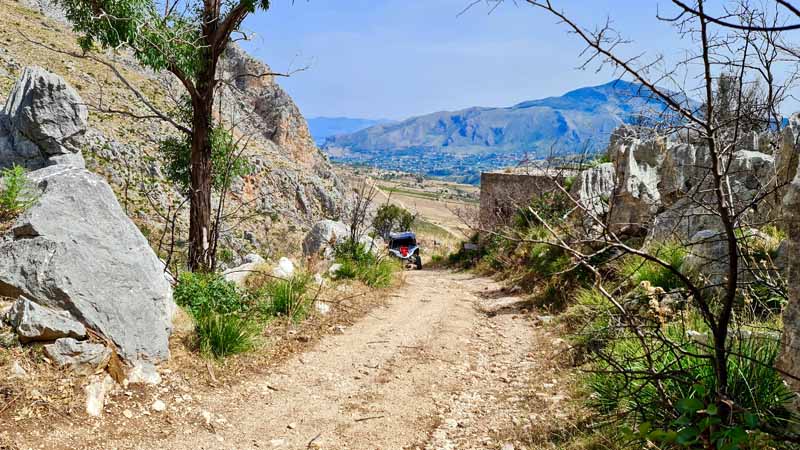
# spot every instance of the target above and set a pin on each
(391, 218)
(176, 151)
(186, 39)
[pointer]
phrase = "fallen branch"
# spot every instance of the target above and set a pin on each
(364, 419)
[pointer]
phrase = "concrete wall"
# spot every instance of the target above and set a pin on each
(502, 194)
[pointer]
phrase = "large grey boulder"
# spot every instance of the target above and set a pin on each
(34, 322)
(323, 237)
(593, 188)
(43, 121)
(239, 274)
(75, 250)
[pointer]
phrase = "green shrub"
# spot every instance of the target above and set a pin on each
(348, 269)
(220, 335)
(357, 262)
(552, 207)
(378, 275)
(638, 269)
(288, 298)
(16, 193)
(199, 292)
(688, 412)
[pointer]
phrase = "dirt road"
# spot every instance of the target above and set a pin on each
(431, 370)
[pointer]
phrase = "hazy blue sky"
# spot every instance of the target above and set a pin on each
(397, 58)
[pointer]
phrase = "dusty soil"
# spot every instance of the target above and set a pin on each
(450, 362)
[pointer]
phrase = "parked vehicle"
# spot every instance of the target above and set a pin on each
(404, 247)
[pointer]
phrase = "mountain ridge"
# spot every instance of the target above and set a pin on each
(323, 127)
(460, 143)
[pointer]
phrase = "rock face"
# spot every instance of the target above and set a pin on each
(43, 121)
(38, 323)
(289, 165)
(75, 251)
(594, 187)
(637, 162)
(662, 183)
(789, 359)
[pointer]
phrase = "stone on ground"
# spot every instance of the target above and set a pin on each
(78, 355)
(34, 322)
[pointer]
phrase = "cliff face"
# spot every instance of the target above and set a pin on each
(291, 184)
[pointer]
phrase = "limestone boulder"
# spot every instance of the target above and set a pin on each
(240, 273)
(81, 356)
(43, 121)
(789, 359)
(323, 237)
(75, 250)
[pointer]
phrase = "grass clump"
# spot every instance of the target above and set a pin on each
(287, 298)
(219, 310)
(198, 292)
(222, 335)
(359, 263)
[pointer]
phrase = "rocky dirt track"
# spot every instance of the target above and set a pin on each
(449, 363)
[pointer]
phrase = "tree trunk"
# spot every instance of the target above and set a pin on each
(201, 171)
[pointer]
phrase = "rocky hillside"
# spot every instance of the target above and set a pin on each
(290, 185)
(465, 142)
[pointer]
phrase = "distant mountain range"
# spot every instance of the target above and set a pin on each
(458, 145)
(324, 127)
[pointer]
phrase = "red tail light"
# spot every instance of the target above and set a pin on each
(404, 251)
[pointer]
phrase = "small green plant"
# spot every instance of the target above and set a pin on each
(219, 311)
(220, 335)
(199, 292)
(226, 255)
(679, 410)
(288, 298)
(16, 193)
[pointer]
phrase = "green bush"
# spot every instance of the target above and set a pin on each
(219, 311)
(390, 217)
(198, 292)
(220, 335)
(288, 298)
(357, 262)
(638, 269)
(16, 193)
(687, 416)
(552, 207)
